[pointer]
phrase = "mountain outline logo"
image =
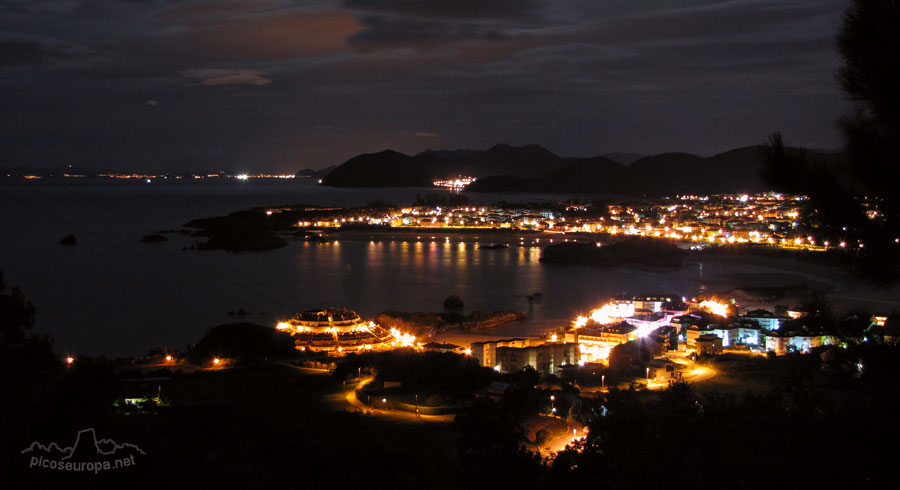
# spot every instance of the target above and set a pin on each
(87, 453)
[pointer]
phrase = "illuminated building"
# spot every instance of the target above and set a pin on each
(682, 322)
(693, 333)
(340, 331)
(653, 303)
(486, 352)
(783, 342)
(710, 344)
(767, 320)
(742, 334)
(661, 370)
(596, 342)
(545, 359)
(511, 355)
(613, 334)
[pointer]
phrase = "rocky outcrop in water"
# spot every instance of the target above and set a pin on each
(453, 302)
(154, 238)
(633, 251)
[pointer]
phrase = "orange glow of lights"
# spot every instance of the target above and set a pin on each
(402, 338)
(715, 308)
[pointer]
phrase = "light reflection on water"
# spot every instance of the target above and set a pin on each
(128, 312)
(112, 294)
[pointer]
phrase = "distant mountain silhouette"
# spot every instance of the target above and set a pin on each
(596, 174)
(448, 154)
(624, 158)
(316, 174)
(387, 168)
(734, 171)
(531, 168)
(392, 169)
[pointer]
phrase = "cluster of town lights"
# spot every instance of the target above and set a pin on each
(593, 349)
(403, 339)
(725, 220)
(396, 338)
(715, 307)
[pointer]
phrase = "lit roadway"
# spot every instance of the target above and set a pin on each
(347, 396)
(692, 374)
(350, 396)
(689, 373)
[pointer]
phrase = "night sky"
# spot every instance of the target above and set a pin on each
(271, 85)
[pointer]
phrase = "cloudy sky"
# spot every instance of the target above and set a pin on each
(281, 85)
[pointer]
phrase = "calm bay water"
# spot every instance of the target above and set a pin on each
(114, 295)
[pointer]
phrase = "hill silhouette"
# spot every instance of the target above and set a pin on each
(734, 171)
(532, 168)
(389, 168)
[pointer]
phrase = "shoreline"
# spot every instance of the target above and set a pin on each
(491, 235)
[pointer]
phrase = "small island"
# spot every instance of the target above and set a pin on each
(154, 238)
(242, 231)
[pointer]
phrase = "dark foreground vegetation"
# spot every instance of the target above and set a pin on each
(820, 422)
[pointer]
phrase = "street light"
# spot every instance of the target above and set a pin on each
(648, 375)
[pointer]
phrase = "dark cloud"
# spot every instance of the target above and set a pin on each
(217, 9)
(44, 6)
(390, 32)
(20, 52)
(285, 35)
(450, 9)
(271, 81)
(226, 77)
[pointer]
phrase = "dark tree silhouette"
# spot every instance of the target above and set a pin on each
(16, 314)
(869, 43)
(840, 196)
